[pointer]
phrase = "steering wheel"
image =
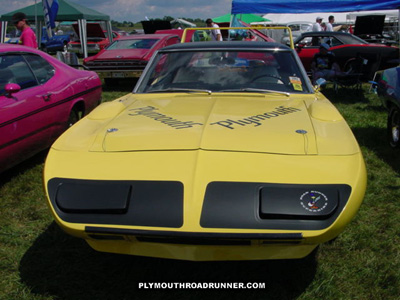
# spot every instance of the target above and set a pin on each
(268, 75)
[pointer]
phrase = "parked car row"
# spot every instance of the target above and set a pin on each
(40, 96)
(127, 57)
(130, 62)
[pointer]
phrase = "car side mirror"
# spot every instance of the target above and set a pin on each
(320, 82)
(12, 88)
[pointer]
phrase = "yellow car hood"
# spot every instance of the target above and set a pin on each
(268, 124)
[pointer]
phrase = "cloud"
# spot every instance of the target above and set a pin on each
(137, 10)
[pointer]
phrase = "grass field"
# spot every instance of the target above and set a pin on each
(39, 261)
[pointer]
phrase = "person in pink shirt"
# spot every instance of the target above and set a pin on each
(28, 36)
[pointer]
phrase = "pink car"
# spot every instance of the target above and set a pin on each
(40, 97)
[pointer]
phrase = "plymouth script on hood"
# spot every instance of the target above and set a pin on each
(256, 120)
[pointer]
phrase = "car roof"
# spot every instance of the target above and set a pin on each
(330, 33)
(20, 49)
(344, 36)
(238, 45)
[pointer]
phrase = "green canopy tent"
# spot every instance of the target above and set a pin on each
(247, 18)
(67, 11)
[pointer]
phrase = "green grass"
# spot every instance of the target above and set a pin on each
(39, 261)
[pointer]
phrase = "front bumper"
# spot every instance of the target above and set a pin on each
(119, 74)
(198, 247)
(192, 227)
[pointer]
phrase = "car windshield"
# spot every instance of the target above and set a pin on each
(132, 44)
(224, 71)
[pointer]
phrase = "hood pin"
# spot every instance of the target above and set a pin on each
(301, 131)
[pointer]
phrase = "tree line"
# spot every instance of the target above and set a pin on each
(196, 21)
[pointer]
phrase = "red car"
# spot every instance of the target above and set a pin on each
(346, 47)
(128, 56)
(40, 97)
(96, 39)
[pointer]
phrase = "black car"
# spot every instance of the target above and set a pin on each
(347, 47)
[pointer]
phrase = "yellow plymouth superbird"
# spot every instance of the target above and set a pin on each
(224, 151)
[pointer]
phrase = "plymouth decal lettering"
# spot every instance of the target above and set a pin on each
(150, 112)
(257, 119)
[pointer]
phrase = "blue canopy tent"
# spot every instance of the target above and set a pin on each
(309, 6)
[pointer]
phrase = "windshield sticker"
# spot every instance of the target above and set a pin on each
(150, 112)
(296, 83)
(257, 119)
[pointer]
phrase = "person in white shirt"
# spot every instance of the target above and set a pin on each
(317, 24)
(329, 26)
(215, 33)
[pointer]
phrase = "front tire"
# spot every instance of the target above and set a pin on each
(73, 117)
(393, 127)
(111, 82)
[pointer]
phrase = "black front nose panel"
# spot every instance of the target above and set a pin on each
(273, 206)
(140, 203)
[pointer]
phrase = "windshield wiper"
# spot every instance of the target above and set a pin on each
(181, 90)
(257, 91)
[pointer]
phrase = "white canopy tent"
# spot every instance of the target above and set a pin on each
(340, 17)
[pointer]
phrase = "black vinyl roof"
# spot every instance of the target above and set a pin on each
(346, 38)
(235, 45)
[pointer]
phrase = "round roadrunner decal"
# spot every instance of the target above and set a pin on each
(314, 201)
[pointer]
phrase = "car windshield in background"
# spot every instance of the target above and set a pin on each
(132, 44)
(224, 71)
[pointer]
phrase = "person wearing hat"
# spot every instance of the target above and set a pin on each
(317, 24)
(324, 64)
(28, 36)
(215, 33)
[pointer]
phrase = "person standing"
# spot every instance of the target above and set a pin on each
(28, 36)
(215, 33)
(317, 24)
(329, 26)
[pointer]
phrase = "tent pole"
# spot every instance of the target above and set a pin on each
(230, 24)
(109, 31)
(39, 34)
(36, 25)
(83, 36)
(3, 31)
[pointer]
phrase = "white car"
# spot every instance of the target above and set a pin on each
(297, 29)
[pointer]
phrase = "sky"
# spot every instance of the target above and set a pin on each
(137, 10)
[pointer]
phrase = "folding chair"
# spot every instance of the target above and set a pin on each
(354, 70)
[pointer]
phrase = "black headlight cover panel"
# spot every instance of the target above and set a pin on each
(298, 203)
(250, 205)
(73, 197)
(140, 203)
